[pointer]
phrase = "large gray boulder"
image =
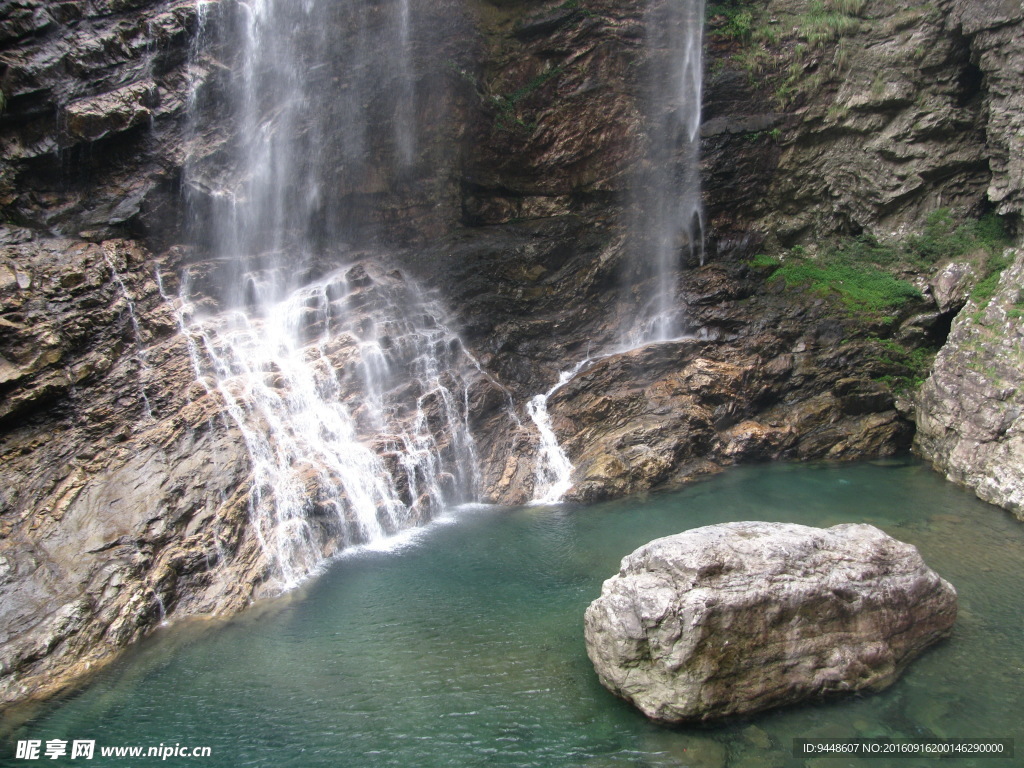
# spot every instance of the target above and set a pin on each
(740, 617)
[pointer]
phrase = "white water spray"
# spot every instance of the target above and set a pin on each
(348, 386)
(352, 396)
(667, 223)
(552, 468)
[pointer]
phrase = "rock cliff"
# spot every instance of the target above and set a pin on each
(93, 130)
(125, 490)
(969, 410)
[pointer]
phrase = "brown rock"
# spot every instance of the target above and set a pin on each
(113, 112)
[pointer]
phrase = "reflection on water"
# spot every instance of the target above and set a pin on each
(466, 647)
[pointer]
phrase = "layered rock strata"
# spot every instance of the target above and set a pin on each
(130, 492)
(737, 618)
(94, 130)
(969, 411)
(125, 493)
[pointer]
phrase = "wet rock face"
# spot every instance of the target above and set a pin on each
(94, 123)
(969, 410)
(557, 123)
(669, 413)
(777, 379)
(125, 488)
(736, 618)
(125, 495)
(106, 103)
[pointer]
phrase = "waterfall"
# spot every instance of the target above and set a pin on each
(319, 122)
(552, 470)
(343, 376)
(666, 224)
(666, 220)
(352, 395)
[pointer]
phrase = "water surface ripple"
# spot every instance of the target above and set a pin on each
(465, 647)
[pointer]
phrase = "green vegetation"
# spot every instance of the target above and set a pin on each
(864, 274)
(861, 284)
(775, 134)
(985, 288)
(777, 47)
(1016, 312)
(826, 20)
(913, 363)
(764, 261)
(865, 277)
(984, 241)
(739, 20)
(944, 239)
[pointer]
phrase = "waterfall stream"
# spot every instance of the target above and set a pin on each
(333, 408)
(344, 378)
(553, 470)
(352, 396)
(667, 223)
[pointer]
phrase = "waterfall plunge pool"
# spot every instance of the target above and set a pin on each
(465, 646)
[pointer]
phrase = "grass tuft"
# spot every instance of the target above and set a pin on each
(863, 273)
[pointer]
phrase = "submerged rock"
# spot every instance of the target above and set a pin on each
(736, 618)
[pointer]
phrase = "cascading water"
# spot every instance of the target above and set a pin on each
(317, 120)
(349, 388)
(666, 221)
(144, 368)
(553, 470)
(667, 224)
(352, 396)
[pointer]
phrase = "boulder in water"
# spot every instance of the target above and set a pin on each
(736, 618)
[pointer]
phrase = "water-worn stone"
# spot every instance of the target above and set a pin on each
(736, 618)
